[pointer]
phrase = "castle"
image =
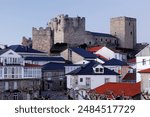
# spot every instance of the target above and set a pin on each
(71, 30)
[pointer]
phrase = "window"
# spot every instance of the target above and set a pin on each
(6, 86)
(15, 85)
(88, 81)
(144, 62)
(97, 69)
(131, 33)
(15, 97)
(107, 80)
(60, 83)
(89, 43)
(81, 79)
(129, 24)
(101, 70)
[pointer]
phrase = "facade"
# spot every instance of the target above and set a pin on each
(54, 77)
(88, 77)
(124, 28)
(17, 79)
(145, 81)
(142, 61)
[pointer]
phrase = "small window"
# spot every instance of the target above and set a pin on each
(15, 96)
(90, 43)
(144, 62)
(101, 39)
(101, 70)
(129, 24)
(131, 33)
(81, 79)
(97, 69)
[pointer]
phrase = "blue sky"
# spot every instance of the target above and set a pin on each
(17, 17)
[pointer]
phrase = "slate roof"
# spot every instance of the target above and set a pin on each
(83, 53)
(20, 48)
(119, 89)
(2, 51)
(88, 70)
(45, 58)
(101, 34)
(54, 66)
(115, 62)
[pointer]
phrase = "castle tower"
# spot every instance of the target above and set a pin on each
(42, 39)
(124, 28)
(68, 29)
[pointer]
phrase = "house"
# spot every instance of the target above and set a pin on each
(76, 55)
(142, 61)
(108, 53)
(132, 63)
(54, 76)
(44, 60)
(88, 77)
(18, 80)
(145, 83)
(25, 51)
(116, 91)
(118, 66)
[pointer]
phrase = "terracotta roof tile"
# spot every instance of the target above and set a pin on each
(94, 49)
(145, 71)
(130, 76)
(119, 89)
(32, 65)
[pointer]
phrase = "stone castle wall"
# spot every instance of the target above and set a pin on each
(42, 39)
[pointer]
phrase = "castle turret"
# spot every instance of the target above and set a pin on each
(42, 39)
(124, 28)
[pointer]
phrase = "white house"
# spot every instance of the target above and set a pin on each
(142, 61)
(77, 55)
(88, 77)
(108, 53)
(17, 79)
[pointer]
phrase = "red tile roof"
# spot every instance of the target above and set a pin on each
(102, 57)
(32, 65)
(130, 76)
(94, 49)
(145, 71)
(119, 89)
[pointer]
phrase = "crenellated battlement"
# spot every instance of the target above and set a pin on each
(41, 31)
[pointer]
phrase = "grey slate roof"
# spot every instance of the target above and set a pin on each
(88, 70)
(45, 58)
(83, 53)
(115, 62)
(101, 34)
(3, 51)
(20, 48)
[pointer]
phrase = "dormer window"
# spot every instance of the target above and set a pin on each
(99, 70)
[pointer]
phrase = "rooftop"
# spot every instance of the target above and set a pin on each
(101, 34)
(32, 65)
(115, 62)
(88, 70)
(94, 49)
(83, 53)
(55, 58)
(119, 89)
(130, 76)
(20, 48)
(145, 70)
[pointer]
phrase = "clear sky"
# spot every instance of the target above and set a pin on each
(17, 17)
